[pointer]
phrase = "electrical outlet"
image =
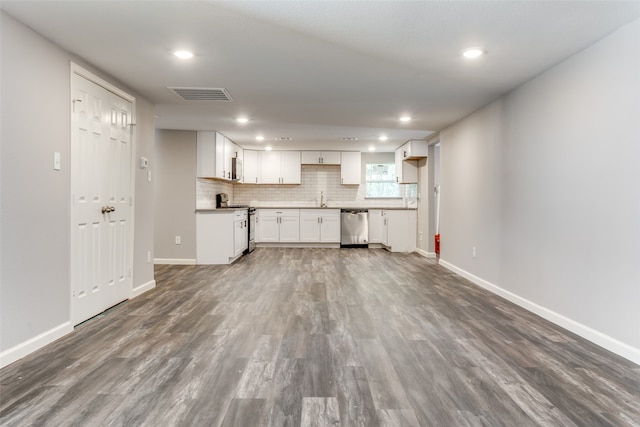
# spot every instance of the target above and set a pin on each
(473, 251)
(149, 175)
(148, 257)
(420, 235)
(178, 240)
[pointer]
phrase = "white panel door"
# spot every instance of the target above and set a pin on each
(101, 211)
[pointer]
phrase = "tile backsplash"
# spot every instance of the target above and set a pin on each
(317, 181)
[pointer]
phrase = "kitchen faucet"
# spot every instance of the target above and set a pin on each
(322, 203)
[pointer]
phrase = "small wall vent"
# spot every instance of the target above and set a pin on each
(202, 93)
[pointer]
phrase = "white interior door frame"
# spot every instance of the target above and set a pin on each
(78, 71)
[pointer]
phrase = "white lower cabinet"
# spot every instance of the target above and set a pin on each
(320, 225)
(221, 236)
(240, 232)
(377, 226)
(394, 228)
(278, 225)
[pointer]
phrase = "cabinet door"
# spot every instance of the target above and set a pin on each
(291, 169)
(330, 157)
(375, 226)
(384, 229)
(309, 227)
(206, 154)
(221, 172)
(311, 157)
(330, 228)
(406, 170)
(238, 233)
(350, 168)
(290, 229)
(251, 166)
(268, 228)
(270, 165)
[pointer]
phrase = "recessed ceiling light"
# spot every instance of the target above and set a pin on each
(268, 148)
(372, 148)
(260, 138)
(405, 119)
(383, 138)
(472, 53)
(183, 54)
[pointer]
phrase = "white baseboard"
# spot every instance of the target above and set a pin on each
(19, 351)
(139, 290)
(425, 253)
(596, 337)
(177, 261)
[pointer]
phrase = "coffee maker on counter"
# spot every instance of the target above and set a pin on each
(222, 200)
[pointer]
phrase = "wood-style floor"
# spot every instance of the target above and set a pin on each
(319, 337)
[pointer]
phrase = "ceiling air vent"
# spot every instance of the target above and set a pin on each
(202, 93)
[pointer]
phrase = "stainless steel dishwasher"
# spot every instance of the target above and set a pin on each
(354, 225)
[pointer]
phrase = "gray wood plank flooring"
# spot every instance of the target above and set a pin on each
(319, 337)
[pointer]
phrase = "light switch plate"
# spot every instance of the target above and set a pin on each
(56, 161)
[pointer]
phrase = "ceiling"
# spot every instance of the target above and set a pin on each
(318, 71)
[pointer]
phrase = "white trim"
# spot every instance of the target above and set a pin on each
(425, 253)
(596, 337)
(139, 290)
(177, 261)
(21, 350)
(76, 69)
(297, 245)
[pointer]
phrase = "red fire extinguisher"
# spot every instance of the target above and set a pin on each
(437, 244)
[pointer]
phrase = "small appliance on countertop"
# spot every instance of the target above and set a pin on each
(222, 200)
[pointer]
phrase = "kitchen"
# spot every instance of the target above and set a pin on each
(538, 144)
(321, 183)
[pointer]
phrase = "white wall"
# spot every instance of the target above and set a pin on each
(35, 288)
(544, 182)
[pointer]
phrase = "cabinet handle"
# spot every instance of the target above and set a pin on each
(404, 154)
(245, 222)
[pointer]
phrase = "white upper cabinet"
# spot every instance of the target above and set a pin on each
(206, 155)
(221, 172)
(214, 154)
(251, 167)
(406, 170)
(406, 161)
(280, 167)
(320, 157)
(291, 169)
(414, 149)
(270, 167)
(350, 163)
